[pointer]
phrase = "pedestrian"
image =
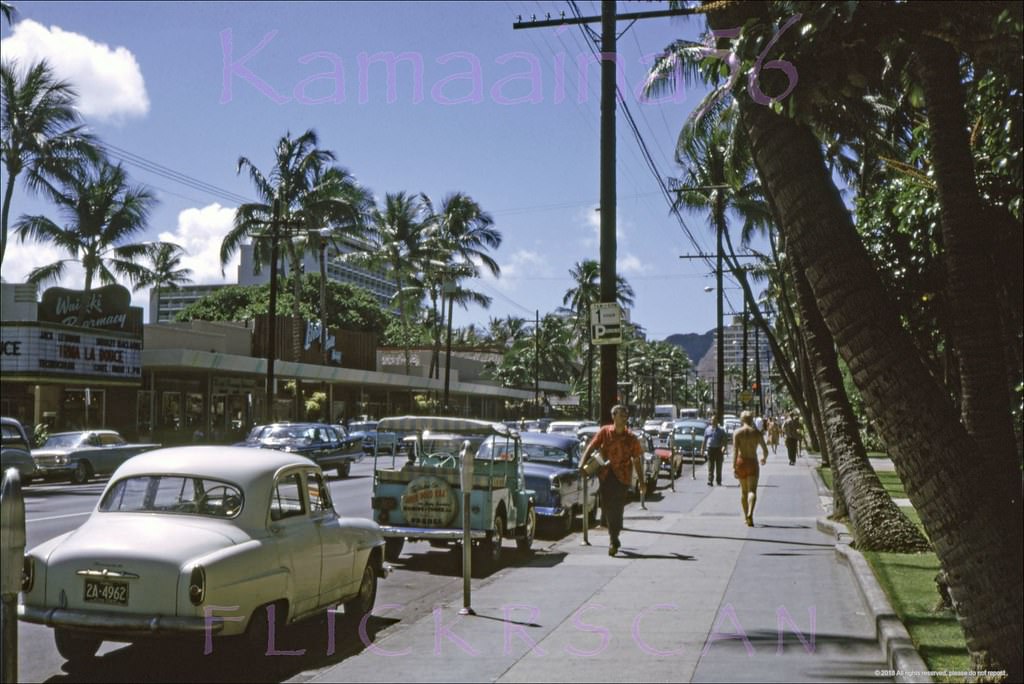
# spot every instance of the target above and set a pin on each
(774, 430)
(792, 432)
(745, 441)
(713, 449)
(621, 451)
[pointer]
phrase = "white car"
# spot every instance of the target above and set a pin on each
(202, 540)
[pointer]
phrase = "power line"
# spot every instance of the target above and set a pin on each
(172, 175)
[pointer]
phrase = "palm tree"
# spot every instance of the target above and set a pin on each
(101, 212)
(399, 232)
(969, 501)
(8, 11)
(163, 271)
(586, 291)
(39, 130)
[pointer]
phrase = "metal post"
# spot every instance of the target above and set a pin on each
(586, 509)
(271, 349)
(467, 542)
(12, 548)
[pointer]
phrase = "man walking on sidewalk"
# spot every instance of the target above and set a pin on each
(745, 441)
(792, 432)
(621, 451)
(713, 449)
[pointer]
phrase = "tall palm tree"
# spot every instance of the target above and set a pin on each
(101, 212)
(399, 232)
(969, 501)
(41, 136)
(163, 271)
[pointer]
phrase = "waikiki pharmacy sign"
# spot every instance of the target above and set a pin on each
(78, 334)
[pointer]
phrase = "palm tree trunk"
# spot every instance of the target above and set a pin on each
(878, 524)
(297, 329)
(967, 240)
(970, 505)
(8, 195)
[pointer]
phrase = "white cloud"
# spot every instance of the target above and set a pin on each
(21, 258)
(108, 80)
(630, 264)
(199, 233)
(521, 266)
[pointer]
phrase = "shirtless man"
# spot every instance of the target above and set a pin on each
(745, 441)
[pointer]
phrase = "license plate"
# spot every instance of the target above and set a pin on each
(106, 591)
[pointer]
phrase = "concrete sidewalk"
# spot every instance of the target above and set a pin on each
(694, 595)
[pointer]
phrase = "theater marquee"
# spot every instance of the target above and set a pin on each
(45, 349)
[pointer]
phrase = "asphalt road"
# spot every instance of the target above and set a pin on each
(423, 576)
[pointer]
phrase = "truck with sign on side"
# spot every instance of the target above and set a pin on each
(418, 494)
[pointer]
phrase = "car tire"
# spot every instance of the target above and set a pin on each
(525, 542)
(257, 633)
(565, 524)
(363, 602)
(393, 548)
(492, 547)
(82, 473)
(344, 469)
(75, 646)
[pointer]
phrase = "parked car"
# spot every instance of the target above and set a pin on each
(650, 464)
(652, 426)
(80, 456)
(418, 496)
(185, 533)
(365, 430)
(731, 425)
(687, 441)
(329, 446)
(568, 427)
(16, 451)
(552, 472)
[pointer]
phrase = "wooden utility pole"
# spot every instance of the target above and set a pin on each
(609, 352)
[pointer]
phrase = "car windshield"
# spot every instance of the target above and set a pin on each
(361, 427)
(71, 439)
(497, 448)
(288, 432)
(173, 494)
(546, 454)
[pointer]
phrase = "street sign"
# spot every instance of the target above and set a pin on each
(746, 397)
(605, 323)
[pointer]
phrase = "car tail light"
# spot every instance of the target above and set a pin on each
(197, 585)
(28, 573)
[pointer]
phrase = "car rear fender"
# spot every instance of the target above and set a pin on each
(245, 575)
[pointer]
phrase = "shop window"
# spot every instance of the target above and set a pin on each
(170, 410)
(144, 411)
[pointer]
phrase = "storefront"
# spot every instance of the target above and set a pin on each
(71, 361)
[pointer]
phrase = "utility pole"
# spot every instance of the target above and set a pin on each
(272, 313)
(609, 352)
(536, 362)
(746, 385)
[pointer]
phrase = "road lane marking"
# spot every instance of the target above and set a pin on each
(56, 517)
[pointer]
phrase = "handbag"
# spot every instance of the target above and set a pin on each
(594, 464)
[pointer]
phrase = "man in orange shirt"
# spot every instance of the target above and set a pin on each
(622, 451)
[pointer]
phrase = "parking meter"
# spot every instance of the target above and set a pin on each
(12, 549)
(466, 480)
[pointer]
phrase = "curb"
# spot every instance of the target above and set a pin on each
(905, 662)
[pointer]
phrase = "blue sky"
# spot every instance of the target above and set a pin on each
(155, 80)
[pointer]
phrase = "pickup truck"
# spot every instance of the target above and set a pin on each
(418, 495)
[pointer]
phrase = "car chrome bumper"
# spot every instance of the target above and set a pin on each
(100, 621)
(48, 471)
(551, 512)
(429, 533)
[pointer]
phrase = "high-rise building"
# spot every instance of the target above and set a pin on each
(378, 281)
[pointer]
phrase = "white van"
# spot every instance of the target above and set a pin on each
(665, 412)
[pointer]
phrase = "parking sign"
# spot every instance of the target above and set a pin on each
(605, 323)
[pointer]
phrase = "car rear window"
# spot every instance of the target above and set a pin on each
(173, 494)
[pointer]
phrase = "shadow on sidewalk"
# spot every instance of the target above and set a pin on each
(725, 538)
(672, 556)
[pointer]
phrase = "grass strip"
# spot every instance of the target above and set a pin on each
(908, 580)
